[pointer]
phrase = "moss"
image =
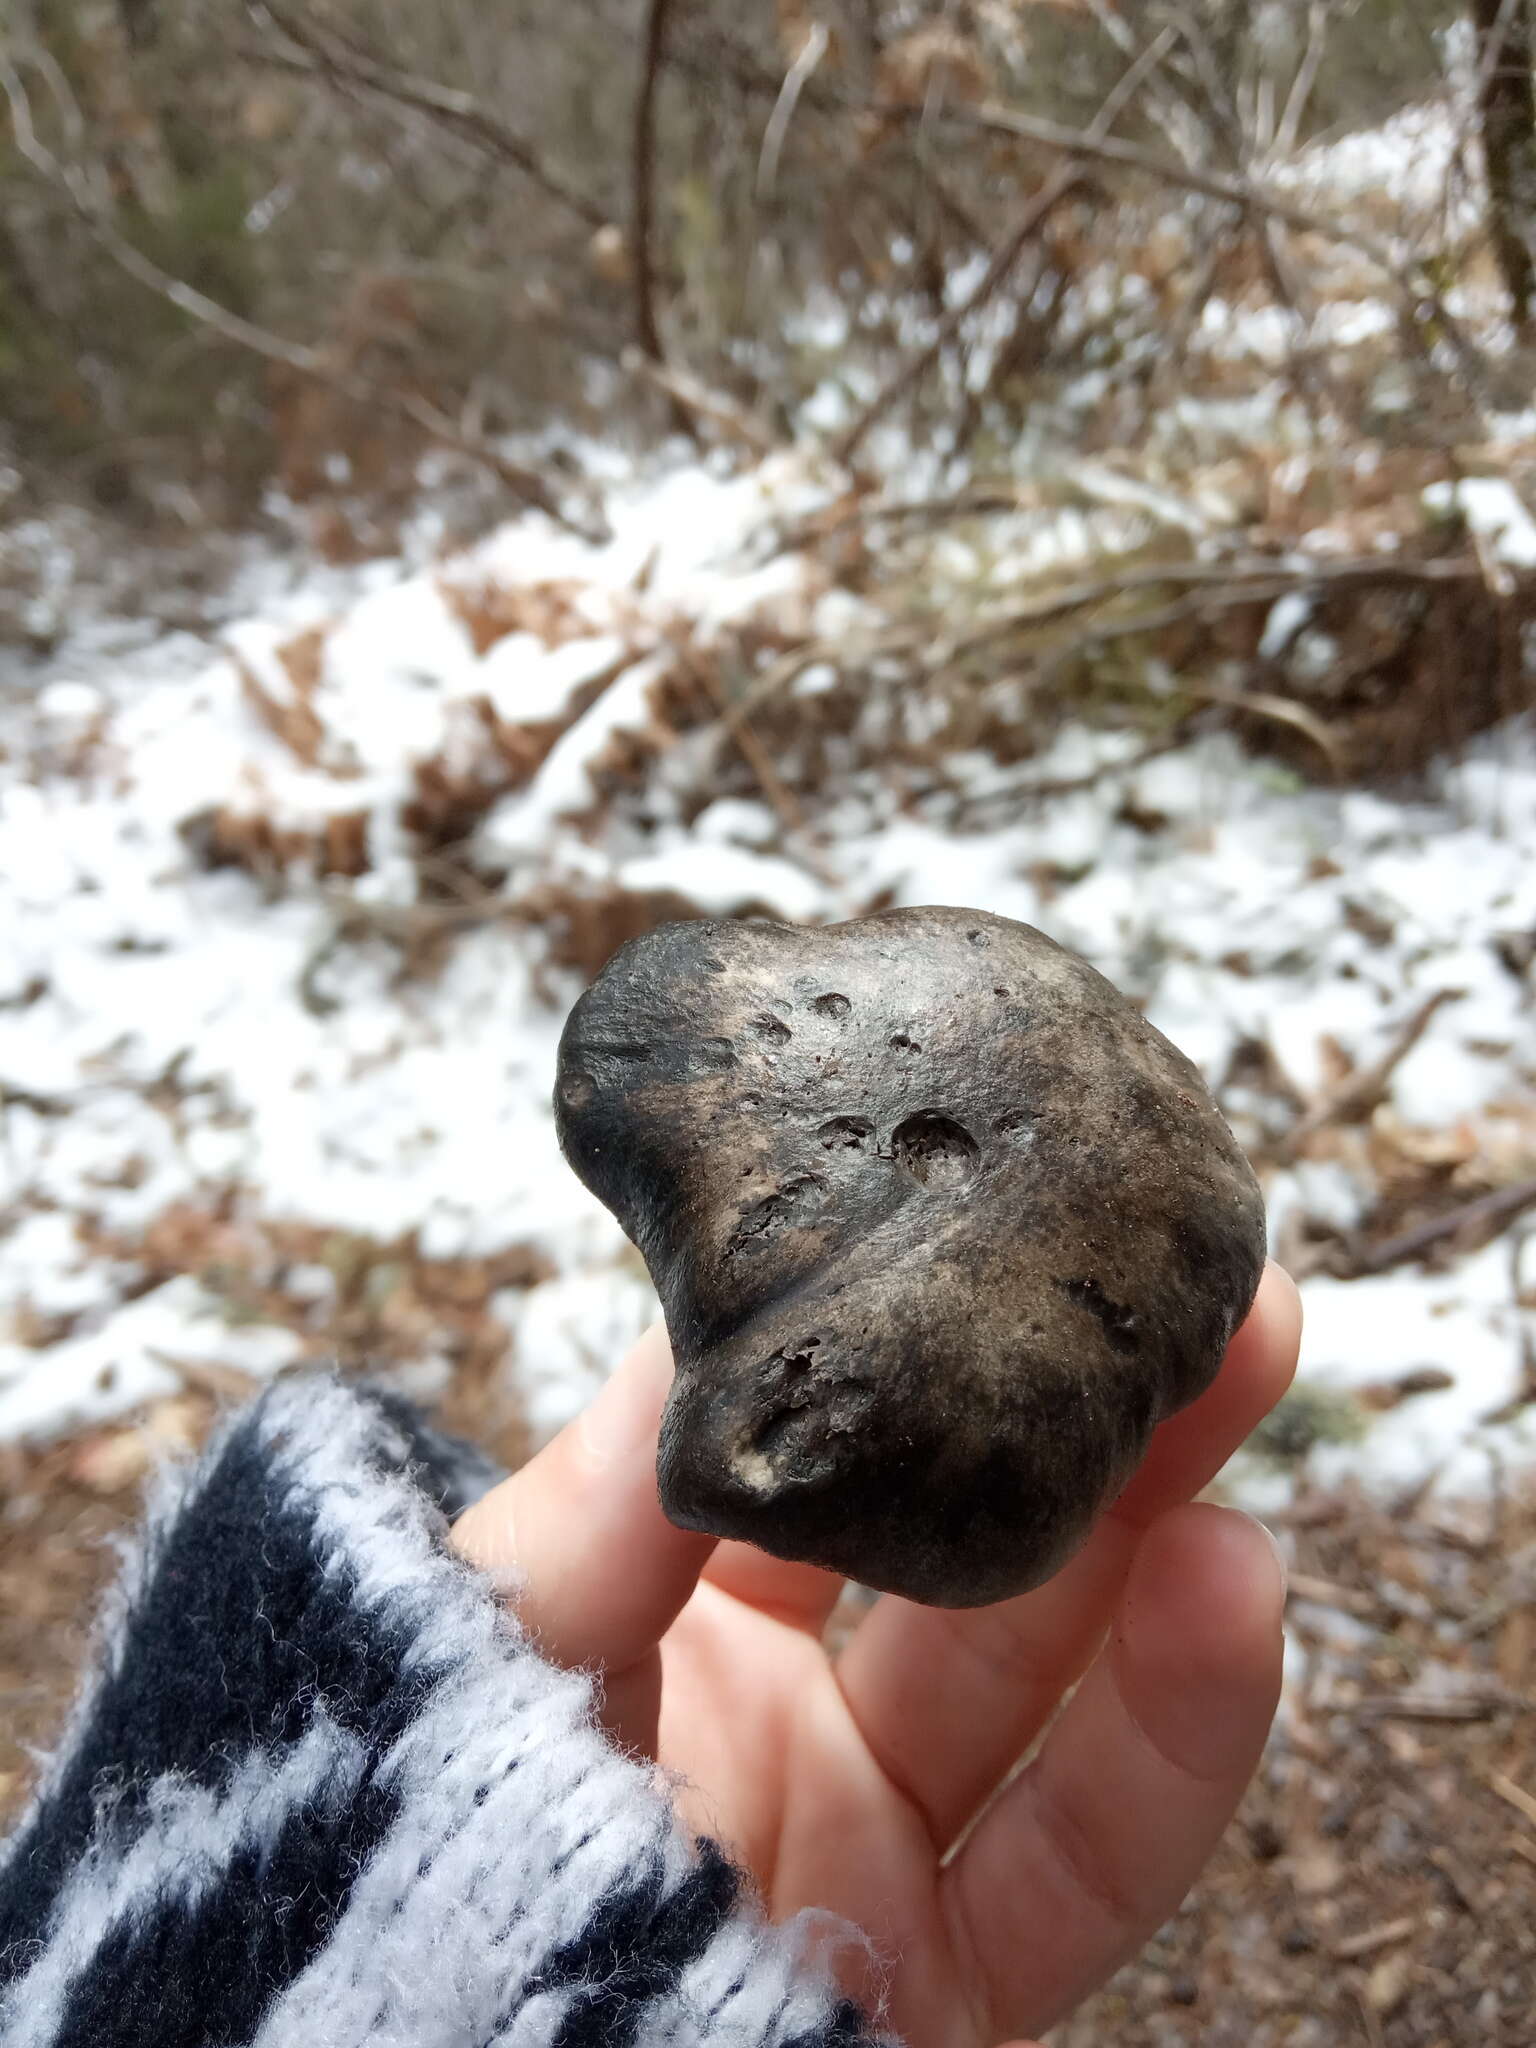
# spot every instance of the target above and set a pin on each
(1309, 1415)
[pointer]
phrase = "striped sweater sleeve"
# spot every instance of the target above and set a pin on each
(322, 1791)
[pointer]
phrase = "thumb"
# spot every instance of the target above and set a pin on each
(580, 1549)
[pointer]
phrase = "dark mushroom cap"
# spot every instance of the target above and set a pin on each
(942, 1230)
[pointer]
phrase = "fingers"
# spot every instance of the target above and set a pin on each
(800, 1595)
(578, 1543)
(946, 1745)
(1191, 1448)
(1097, 1842)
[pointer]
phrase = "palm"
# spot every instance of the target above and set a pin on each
(776, 1767)
(882, 1785)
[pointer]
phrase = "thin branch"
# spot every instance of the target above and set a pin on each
(916, 367)
(300, 357)
(325, 57)
(643, 201)
(643, 168)
(733, 421)
(1487, 1212)
(1288, 132)
(798, 76)
(1506, 104)
(1362, 1092)
(1245, 580)
(758, 759)
(1409, 275)
(1279, 711)
(1066, 178)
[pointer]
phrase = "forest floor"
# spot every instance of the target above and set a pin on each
(295, 892)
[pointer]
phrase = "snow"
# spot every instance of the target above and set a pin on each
(1493, 512)
(167, 1032)
(131, 1358)
(175, 1032)
(1365, 1333)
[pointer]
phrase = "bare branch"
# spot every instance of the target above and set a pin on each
(1364, 1090)
(326, 57)
(1506, 104)
(1418, 289)
(1062, 181)
(1489, 1213)
(643, 197)
(812, 50)
(643, 179)
(300, 357)
(734, 421)
(911, 372)
(1288, 130)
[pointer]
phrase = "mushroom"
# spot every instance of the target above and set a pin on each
(941, 1227)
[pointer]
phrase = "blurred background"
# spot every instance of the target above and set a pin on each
(478, 482)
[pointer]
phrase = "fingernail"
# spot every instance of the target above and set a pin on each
(1282, 1276)
(1274, 1543)
(622, 1420)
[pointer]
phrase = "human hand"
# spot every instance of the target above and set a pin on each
(845, 1783)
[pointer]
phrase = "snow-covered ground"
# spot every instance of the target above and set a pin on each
(179, 1035)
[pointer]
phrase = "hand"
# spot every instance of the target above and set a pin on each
(842, 1783)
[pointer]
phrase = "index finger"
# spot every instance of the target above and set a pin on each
(580, 1547)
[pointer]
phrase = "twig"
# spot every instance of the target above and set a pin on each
(755, 754)
(1279, 711)
(1324, 1593)
(1246, 580)
(1062, 181)
(1288, 130)
(1363, 1091)
(1410, 276)
(327, 58)
(733, 420)
(1499, 1208)
(1212, 587)
(1354, 1946)
(798, 76)
(916, 366)
(643, 202)
(1049, 789)
(306, 361)
(1513, 1795)
(1410, 1706)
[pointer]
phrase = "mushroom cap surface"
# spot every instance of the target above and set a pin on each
(941, 1226)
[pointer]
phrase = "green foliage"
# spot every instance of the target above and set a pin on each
(1310, 1414)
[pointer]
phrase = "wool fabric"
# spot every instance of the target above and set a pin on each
(322, 1790)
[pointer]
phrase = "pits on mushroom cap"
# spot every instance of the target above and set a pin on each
(845, 1134)
(577, 1089)
(1117, 1322)
(832, 1005)
(935, 1149)
(786, 1207)
(773, 1029)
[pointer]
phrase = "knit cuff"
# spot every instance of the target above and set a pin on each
(323, 1791)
